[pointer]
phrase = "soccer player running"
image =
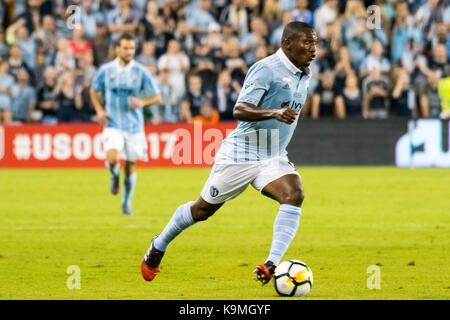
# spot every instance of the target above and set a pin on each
(268, 109)
(127, 87)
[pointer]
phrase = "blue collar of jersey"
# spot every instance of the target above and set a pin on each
(289, 64)
(127, 67)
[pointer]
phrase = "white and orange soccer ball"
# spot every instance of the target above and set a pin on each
(293, 278)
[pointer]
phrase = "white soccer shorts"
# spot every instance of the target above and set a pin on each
(227, 180)
(132, 145)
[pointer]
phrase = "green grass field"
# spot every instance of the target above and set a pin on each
(352, 218)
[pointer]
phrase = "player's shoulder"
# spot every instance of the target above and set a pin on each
(265, 67)
(106, 66)
(142, 68)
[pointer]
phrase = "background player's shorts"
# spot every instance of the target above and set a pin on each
(133, 145)
(227, 180)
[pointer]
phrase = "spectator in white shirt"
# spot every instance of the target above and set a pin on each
(326, 13)
(177, 63)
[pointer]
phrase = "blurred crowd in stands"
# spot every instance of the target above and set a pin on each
(376, 59)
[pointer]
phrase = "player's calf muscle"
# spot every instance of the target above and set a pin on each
(201, 214)
(128, 168)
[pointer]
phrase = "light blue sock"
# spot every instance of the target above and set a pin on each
(284, 230)
(113, 170)
(180, 221)
(129, 183)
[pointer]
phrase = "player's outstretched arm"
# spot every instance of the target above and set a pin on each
(248, 112)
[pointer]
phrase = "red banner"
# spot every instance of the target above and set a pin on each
(80, 145)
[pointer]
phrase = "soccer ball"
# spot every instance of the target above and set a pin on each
(293, 278)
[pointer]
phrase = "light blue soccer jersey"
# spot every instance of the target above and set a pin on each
(118, 84)
(273, 82)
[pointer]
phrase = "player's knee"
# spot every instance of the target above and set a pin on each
(112, 161)
(294, 197)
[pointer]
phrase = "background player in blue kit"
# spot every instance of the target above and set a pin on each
(268, 109)
(127, 87)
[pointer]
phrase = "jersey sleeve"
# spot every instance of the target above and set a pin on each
(98, 84)
(256, 84)
(149, 86)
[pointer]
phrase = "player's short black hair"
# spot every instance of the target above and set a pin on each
(125, 36)
(293, 29)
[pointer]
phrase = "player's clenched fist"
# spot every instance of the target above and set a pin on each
(102, 117)
(135, 103)
(286, 115)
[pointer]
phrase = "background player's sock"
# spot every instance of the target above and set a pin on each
(129, 183)
(284, 230)
(114, 170)
(181, 220)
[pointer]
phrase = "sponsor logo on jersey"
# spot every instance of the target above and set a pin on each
(285, 104)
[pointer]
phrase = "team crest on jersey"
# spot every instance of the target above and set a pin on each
(112, 75)
(286, 79)
(213, 191)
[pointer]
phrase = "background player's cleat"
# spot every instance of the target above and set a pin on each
(264, 272)
(114, 184)
(150, 264)
(126, 210)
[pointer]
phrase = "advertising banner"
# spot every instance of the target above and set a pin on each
(81, 145)
(426, 144)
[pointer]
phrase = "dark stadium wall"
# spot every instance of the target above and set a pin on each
(347, 143)
(370, 142)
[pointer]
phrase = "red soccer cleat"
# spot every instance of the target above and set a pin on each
(148, 273)
(150, 264)
(264, 272)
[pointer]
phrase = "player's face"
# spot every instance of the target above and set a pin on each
(126, 50)
(303, 49)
